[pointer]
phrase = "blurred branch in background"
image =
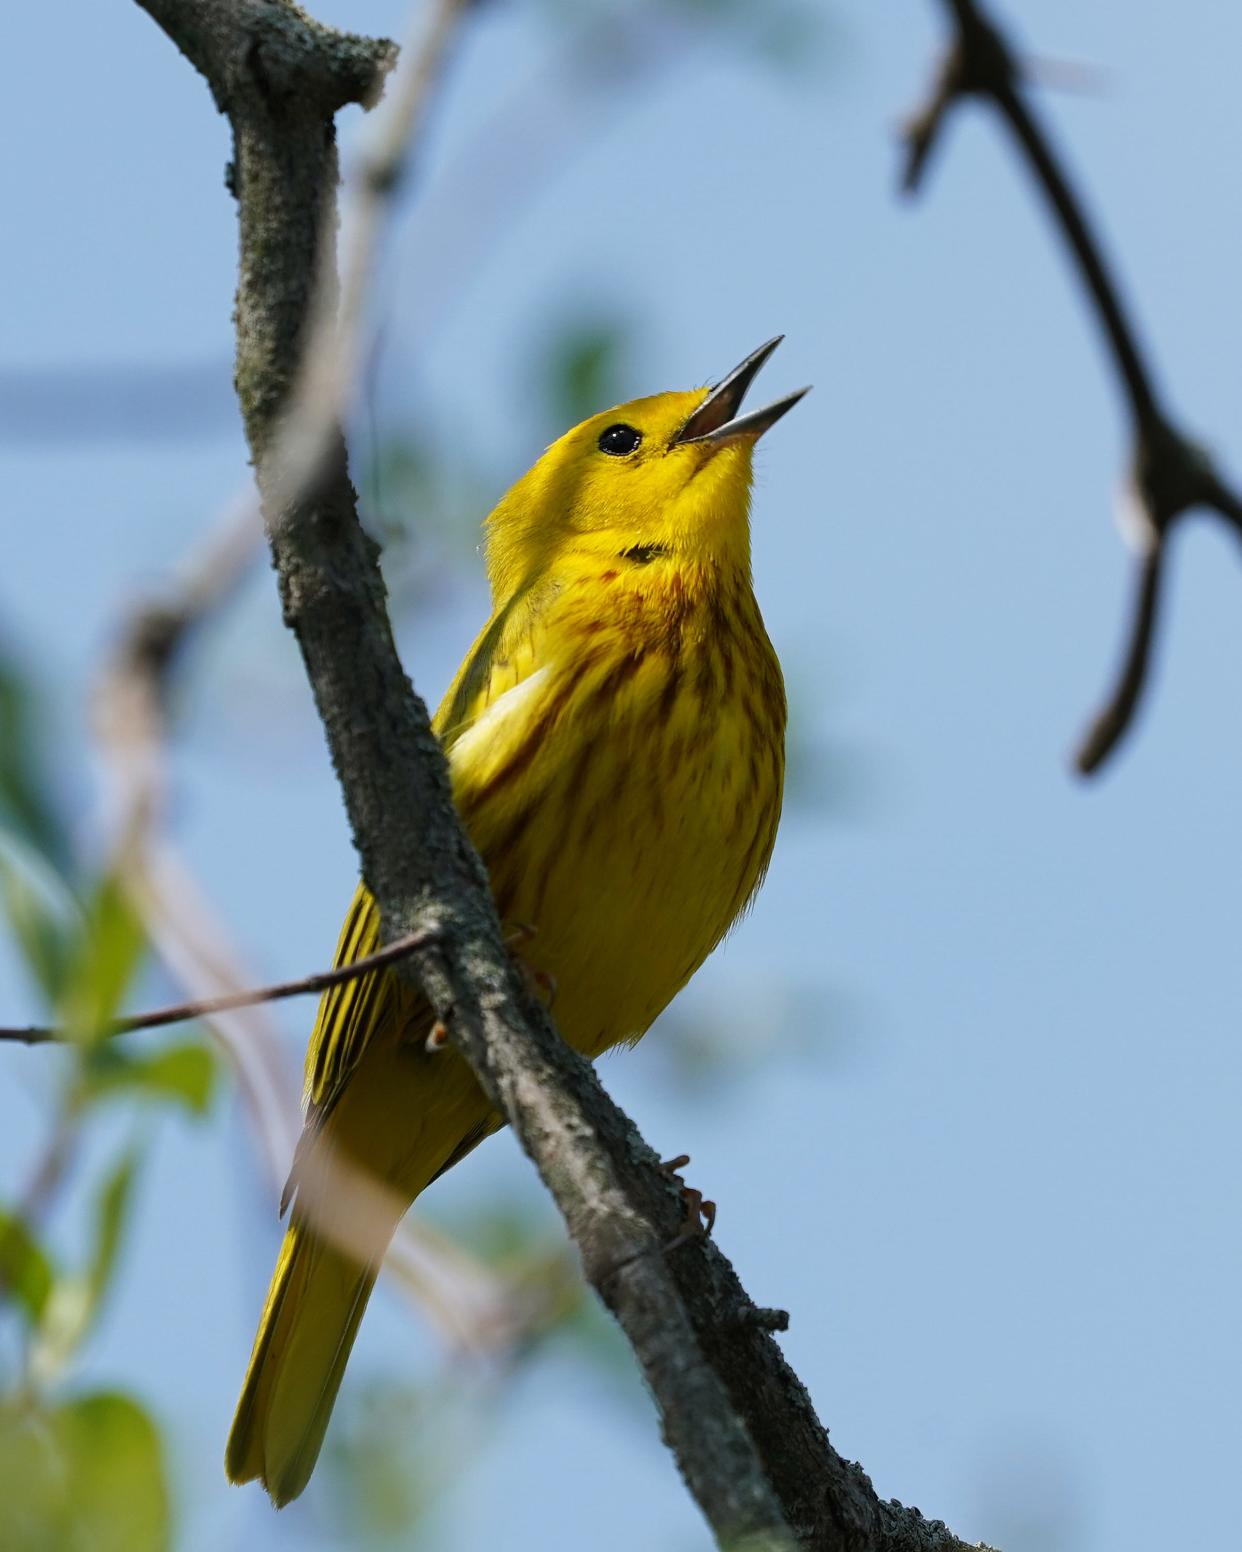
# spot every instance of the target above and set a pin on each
(1170, 472)
(469, 1303)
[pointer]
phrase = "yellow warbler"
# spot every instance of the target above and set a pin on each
(616, 743)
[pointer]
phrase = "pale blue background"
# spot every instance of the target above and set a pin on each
(987, 1151)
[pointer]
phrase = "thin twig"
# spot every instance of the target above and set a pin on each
(1170, 471)
(181, 1012)
(1102, 736)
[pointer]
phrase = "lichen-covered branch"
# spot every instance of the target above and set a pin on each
(737, 1419)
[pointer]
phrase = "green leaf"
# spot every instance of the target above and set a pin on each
(41, 912)
(88, 1476)
(24, 781)
(33, 1484)
(184, 1074)
(26, 1272)
(74, 1301)
(106, 959)
(116, 1460)
(111, 1211)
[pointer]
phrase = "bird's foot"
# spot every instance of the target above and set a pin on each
(438, 1038)
(700, 1216)
(539, 984)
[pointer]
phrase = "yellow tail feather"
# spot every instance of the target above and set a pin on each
(355, 1174)
(316, 1300)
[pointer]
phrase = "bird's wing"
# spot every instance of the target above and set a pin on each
(349, 1010)
(501, 659)
(506, 652)
(349, 1013)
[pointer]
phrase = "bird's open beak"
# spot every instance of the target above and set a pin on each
(716, 419)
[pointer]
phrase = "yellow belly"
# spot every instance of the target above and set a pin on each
(626, 806)
(633, 833)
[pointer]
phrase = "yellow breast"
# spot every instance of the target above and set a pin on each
(624, 787)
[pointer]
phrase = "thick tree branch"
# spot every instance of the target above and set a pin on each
(1170, 472)
(474, 1305)
(738, 1421)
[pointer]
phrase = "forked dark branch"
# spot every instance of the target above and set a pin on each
(1170, 473)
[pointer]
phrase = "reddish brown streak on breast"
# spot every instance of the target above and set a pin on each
(670, 692)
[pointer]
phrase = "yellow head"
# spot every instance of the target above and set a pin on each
(665, 475)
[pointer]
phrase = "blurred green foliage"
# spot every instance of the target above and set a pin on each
(387, 1462)
(580, 365)
(183, 1074)
(522, 1238)
(424, 497)
(26, 1272)
(74, 1297)
(38, 909)
(780, 33)
(100, 960)
(26, 810)
(80, 1470)
(84, 1475)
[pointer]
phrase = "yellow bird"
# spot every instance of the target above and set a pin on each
(616, 743)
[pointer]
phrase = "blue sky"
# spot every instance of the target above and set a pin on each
(986, 1152)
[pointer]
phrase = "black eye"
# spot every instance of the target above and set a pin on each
(619, 440)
